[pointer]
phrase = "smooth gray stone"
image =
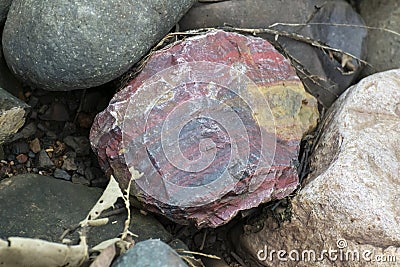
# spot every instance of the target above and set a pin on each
(62, 45)
(150, 253)
(383, 46)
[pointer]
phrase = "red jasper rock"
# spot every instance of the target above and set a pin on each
(209, 127)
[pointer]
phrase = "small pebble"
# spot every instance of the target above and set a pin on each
(34, 145)
(26, 132)
(22, 158)
(61, 174)
(80, 144)
(44, 160)
(29, 130)
(69, 164)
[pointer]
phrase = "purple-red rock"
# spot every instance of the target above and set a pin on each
(209, 127)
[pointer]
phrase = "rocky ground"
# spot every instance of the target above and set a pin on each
(349, 165)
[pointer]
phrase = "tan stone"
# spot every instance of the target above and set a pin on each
(12, 115)
(352, 196)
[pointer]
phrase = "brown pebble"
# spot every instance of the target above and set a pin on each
(22, 158)
(85, 120)
(34, 145)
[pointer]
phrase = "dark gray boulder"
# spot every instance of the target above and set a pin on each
(65, 45)
(383, 46)
(150, 253)
(43, 207)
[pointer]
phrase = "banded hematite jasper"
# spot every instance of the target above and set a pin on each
(210, 126)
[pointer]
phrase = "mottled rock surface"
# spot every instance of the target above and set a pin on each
(211, 126)
(66, 45)
(150, 253)
(262, 14)
(12, 115)
(43, 207)
(383, 46)
(351, 201)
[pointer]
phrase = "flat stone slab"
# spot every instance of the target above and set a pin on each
(211, 126)
(43, 207)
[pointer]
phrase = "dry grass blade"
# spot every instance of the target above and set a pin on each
(338, 54)
(335, 24)
(297, 37)
(198, 253)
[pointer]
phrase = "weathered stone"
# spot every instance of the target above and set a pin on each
(26, 132)
(231, 96)
(4, 6)
(65, 45)
(42, 207)
(351, 201)
(44, 160)
(12, 115)
(262, 14)
(150, 253)
(34, 145)
(61, 174)
(22, 158)
(80, 144)
(383, 46)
